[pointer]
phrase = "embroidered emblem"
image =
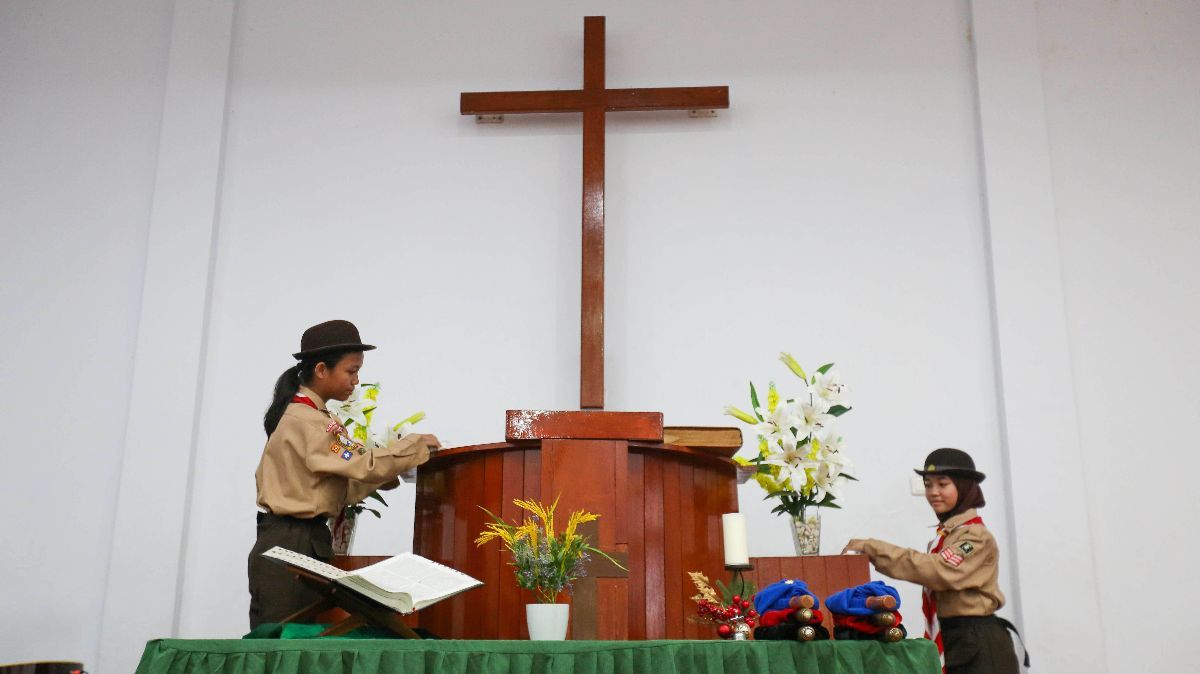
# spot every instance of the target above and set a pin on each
(347, 455)
(362, 450)
(345, 441)
(335, 448)
(952, 558)
(966, 548)
(334, 427)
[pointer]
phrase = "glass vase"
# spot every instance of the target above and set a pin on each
(806, 533)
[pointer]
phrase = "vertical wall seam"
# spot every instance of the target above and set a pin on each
(205, 327)
(994, 329)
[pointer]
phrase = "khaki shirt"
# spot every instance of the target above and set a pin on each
(963, 576)
(306, 472)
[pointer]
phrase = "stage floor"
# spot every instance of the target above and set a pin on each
(365, 656)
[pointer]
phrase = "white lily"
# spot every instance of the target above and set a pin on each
(352, 409)
(814, 415)
(828, 387)
(793, 461)
(779, 422)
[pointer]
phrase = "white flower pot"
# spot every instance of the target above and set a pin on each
(547, 622)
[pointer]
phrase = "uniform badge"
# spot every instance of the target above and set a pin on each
(347, 455)
(334, 427)
(952, 558)
(345, 441)
(966, 548)
(362, 450)
(335, 448)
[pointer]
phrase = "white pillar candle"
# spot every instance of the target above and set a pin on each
(733, 527)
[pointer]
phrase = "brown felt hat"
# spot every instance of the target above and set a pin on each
(328, 337)
(950, 461)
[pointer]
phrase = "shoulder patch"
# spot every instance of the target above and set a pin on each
(951, 557)
(335, 448)
(966, 547)
(347, 455)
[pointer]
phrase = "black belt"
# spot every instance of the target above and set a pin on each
(307, 521)
(966, 620)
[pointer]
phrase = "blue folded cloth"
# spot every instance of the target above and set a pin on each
(853, 600)
(776, 595)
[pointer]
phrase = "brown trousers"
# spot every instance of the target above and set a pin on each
(275, 592)
(978, 645)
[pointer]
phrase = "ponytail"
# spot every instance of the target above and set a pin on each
(288, 385)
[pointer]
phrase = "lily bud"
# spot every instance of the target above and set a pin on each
(793, 365)
(739, 415)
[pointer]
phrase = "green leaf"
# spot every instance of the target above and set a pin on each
(374, 512)
(754, 401)
(824, 368)
(848, 476)
(377, 496)
(838, 410)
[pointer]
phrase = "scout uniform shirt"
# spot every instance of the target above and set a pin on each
(312, 469)
(963, 576)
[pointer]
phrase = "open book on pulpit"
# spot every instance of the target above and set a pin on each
(404, 583)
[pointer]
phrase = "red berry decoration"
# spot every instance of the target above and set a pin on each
(750, 621)
(753, 613)
(724, 631)
(737, 599)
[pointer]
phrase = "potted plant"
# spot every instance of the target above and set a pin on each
(800, 459)
(546, 561)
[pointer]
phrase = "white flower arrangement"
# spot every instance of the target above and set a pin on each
(800, 459)
(354, 414)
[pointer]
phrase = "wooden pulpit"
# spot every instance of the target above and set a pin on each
(660, 507)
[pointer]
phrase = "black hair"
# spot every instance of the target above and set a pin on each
(289, 383)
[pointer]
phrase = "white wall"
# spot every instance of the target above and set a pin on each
(348, 186)
(1122, 102)
(460, 242)
(79, 117)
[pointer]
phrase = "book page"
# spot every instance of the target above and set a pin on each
(425, 581)
(305, 562)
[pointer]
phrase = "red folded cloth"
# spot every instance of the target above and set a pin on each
(861, 623)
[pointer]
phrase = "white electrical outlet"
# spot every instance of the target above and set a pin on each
(918, 485)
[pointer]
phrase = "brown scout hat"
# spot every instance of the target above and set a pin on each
(328, 337)
(950, 461)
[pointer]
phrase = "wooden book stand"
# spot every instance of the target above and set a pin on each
(362, 611)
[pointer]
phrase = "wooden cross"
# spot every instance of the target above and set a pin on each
(593, 100)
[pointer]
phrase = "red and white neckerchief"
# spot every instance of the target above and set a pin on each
(333, 426)
(305, 400)
(933, 630)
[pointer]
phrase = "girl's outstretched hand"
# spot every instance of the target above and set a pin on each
(854, 546)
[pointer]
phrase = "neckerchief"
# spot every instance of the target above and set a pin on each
(933, 630)
(304, 400)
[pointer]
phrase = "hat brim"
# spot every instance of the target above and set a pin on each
(956, 472)
(301, 355)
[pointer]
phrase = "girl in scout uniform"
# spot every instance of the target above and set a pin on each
(959, 571)
(311, 468)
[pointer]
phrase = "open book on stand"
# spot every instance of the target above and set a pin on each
(404, 583)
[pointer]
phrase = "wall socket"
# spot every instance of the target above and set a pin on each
(917, 484)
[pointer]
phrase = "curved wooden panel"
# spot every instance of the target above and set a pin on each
(660, 507)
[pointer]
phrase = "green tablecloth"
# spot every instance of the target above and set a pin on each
(343, 656)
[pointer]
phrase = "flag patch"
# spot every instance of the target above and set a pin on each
(952, 558)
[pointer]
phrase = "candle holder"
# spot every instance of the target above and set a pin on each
(738, 580)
